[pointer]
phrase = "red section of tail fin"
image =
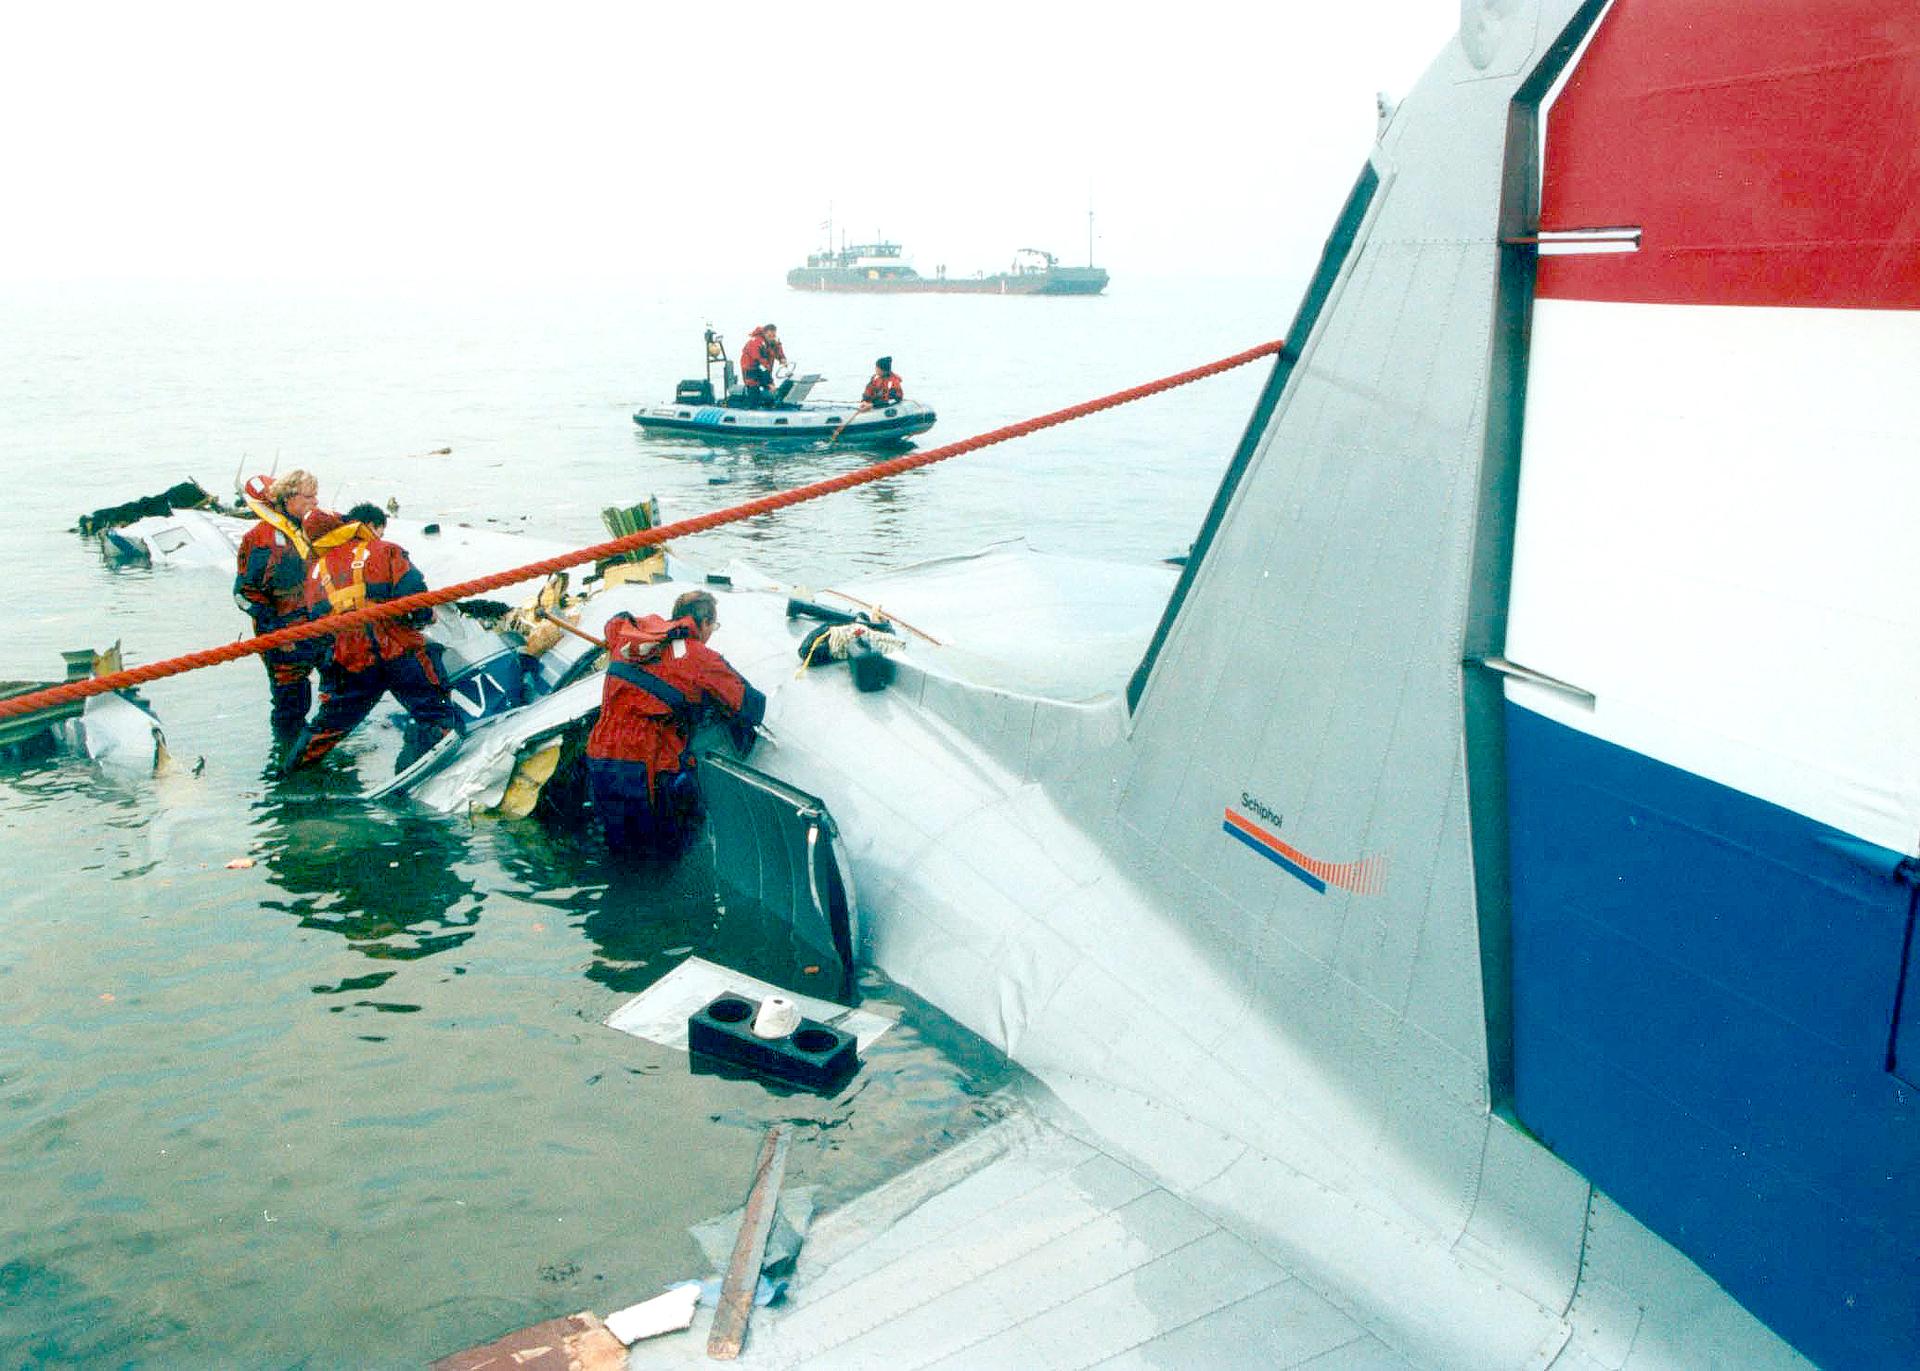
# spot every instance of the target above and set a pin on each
(1766, 148)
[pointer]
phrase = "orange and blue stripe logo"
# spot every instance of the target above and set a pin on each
(1368, 876)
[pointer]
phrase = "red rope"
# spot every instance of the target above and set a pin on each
(140, 675)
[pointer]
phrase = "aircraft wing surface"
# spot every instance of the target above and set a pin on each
(445, 553)
(1011, 618)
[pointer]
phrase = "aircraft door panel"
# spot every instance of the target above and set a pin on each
(777, 846)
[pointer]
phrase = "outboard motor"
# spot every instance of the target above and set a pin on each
(729, 382)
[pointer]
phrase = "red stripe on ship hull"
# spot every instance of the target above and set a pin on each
(1769, 150)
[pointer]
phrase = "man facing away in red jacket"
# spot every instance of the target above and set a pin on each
(662, 681)
(354, 566)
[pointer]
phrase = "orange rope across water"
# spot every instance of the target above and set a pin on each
(192, 661)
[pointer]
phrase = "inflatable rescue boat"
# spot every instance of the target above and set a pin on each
(723, 413)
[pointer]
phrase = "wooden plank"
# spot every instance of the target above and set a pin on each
(749, 1249)
(579, 1342)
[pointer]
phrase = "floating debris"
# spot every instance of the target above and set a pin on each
(117, 729)
(186, 495)
(769, 1038)
(659, 1013)
(668, 1313)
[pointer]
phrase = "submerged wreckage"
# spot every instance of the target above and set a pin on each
(117, 729)
(1452, 922)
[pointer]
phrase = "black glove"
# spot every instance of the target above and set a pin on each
(743, 736)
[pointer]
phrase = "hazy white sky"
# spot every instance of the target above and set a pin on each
(507, 142)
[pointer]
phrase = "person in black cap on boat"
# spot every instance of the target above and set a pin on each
(884, 388)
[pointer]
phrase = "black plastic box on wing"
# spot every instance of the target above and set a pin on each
(815, 1055)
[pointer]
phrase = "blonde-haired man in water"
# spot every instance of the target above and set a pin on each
(270, 585)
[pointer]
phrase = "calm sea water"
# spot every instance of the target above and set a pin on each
(355, 1105)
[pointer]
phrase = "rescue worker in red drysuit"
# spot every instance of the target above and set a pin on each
(662, 681)
(270, 585)
(884, 388)
(757, 360)
(354, 566)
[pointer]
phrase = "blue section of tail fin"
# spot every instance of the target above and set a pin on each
(1704, 989)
